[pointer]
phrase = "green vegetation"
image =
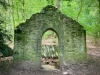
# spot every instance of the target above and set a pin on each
(5, 37)
(4, 48)
(50, 50)
(86, 12)
(48, 34)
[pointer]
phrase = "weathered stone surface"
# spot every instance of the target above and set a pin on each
(71, 36)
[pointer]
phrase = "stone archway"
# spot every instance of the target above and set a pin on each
(50, 50)
(71, 37)
(38, 47)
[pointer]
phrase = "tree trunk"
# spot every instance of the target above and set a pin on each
(79, 10)
(57, 4)
(23, 13)
(99, 3)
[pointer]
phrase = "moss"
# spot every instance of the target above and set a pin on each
(71, 36)
(73, 56)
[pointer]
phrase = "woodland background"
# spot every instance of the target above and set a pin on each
(14, 12)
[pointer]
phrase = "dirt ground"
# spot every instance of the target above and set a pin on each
(89, 67)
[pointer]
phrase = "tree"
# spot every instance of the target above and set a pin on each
(4, 37)
(4, 48)
(57, 4)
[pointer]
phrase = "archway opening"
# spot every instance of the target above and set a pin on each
(50, 50)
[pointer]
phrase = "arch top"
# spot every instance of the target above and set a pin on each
(42, 31)
(51, 30)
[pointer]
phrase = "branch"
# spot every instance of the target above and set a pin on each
(23, 12)
(57, 4)
(79, 11)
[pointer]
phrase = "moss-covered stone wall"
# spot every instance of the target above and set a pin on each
(71, 36)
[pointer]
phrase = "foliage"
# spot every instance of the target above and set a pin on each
(4, 4)
(86, 12)
(48, 34)
(4, 48)
(4, 37)
(50, 51)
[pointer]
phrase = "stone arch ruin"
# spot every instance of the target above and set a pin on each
(71, 36)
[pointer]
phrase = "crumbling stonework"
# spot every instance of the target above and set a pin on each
(71, 36)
